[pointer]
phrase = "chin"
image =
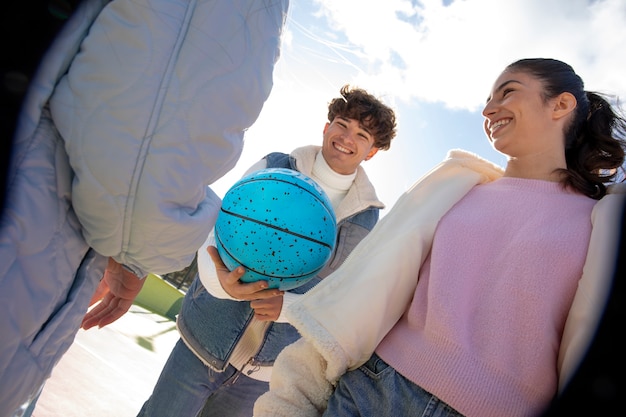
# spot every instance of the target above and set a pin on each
(497, 146)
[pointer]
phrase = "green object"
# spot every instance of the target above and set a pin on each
(160, 297)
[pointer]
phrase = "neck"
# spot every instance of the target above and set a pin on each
(537, 167)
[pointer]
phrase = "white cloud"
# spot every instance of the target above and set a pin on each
(452, 54)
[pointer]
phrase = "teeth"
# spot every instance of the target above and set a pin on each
(500, 123)
(342, 149)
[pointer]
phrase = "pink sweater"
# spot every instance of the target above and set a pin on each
(483, 329)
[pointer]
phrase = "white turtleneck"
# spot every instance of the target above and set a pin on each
(335, 185)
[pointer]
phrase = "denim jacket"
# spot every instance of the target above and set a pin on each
(212, 327)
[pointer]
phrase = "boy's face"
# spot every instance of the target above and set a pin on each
(346, 144)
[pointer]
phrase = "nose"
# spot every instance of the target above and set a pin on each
(349, 134)
(489, 109)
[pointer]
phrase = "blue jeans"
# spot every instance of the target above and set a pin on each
(377, 390)
(186, 384)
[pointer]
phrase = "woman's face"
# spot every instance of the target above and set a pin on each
(518, 121)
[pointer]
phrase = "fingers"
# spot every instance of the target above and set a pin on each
(114, 314)
(234, 276)
(215, 257)
(232, 284)
(252, 291)
(110, 309)
(263, 295)
(87, 323)
(101, 291)
(92, 318)
(270, 303)
(267, 309)
(265, 317)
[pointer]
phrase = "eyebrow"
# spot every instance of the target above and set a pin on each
(501, 86)
(361, 125)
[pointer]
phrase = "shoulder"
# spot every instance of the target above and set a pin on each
(277, 160)
(474, 162)
(614, 198)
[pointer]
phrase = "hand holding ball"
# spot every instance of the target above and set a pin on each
(279, 225)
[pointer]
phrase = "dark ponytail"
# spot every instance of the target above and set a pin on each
(594, 147)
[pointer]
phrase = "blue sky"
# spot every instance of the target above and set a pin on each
(432, 61)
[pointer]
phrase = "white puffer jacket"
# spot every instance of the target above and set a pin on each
(137, 107)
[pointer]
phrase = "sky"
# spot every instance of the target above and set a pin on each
(433, 62)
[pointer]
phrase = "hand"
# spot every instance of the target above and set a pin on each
(237, 289)
(101, 291)
(117, 291)
(267, 309)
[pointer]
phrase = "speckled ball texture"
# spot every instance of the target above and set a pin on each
(279, 224)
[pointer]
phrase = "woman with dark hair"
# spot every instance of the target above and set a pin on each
(480, 290)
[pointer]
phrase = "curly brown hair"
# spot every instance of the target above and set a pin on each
(358, 104)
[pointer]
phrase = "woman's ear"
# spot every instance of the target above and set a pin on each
(564, 104)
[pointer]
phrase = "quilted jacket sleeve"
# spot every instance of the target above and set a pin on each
(153, 110)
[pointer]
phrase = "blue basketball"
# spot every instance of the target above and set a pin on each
(277, 223)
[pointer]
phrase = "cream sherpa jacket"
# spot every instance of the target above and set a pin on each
(368, 303)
